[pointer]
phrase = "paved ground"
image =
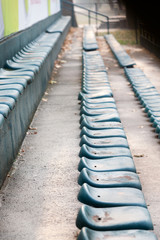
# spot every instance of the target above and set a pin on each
(39, 198)
(143, 142)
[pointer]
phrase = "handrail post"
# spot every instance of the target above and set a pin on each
(89, 14)
(96, 9)
(107, 18)
(72, 15)
(89, 17)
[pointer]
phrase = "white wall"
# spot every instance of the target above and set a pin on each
(37, 10)
(55, 6)
(1, 22)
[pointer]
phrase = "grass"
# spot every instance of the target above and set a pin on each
(124, 37)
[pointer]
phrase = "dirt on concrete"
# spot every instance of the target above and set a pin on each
(141, 136)
(39, 197)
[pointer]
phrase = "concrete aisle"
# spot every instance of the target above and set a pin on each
(143, 141)
(40, 200)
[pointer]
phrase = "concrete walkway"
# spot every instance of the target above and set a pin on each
(142, 139)
(39, 197)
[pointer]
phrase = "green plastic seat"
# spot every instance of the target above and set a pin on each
(108, 117)
(111, 197)
(14, 80)
(99, 100)
(99, 79)
(31, 61)
(15, 66)
(101, 94)
(122, 57)
(4, 110)
(10, 93)
(17, 87)
(110, 179)
(89, 83)
(10, 102)
(37, 49)
(105, 133)
(96, 112)
(42, 54)
(89, 87)
(94, 89)
(22, 74)
(97, 153)
(89, 234)
(60, 25)
(98, 106)
(100, 125)
(104, 142)
(107, 164)
(90, 47)
(116, 218)
(35, 60)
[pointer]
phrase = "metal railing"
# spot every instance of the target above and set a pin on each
(88, 12)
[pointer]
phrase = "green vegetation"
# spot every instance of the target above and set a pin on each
(124, 37)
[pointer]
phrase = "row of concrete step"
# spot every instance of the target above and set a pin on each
(114, 205)
(23, 81)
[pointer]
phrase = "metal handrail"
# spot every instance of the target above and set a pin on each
(84, 14)
(89, 13)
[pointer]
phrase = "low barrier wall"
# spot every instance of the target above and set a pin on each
(22, 89)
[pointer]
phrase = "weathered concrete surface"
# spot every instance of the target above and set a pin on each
(143, 141)
(40, 199)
